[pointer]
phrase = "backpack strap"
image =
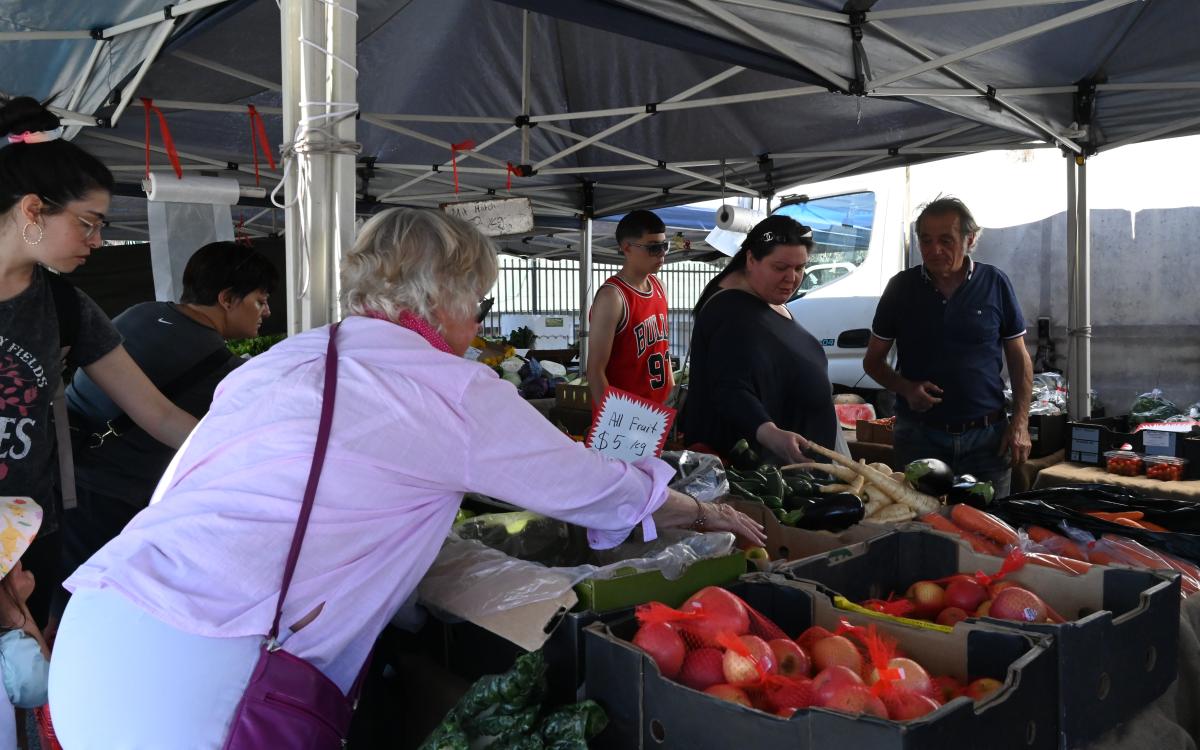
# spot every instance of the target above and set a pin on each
(66, 309)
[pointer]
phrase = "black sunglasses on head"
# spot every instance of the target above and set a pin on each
(485, 306)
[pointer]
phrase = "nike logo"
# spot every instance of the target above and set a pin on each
(165, 322)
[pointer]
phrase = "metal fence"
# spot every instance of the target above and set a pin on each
(551, 287)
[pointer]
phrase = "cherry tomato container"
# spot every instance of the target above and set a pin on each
(1124, 463)
(1166, 468)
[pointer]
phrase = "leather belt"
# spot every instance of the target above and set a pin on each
(958, 428)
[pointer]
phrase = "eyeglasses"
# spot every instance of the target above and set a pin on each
(93, 227)
(654, 248)
(485, 306)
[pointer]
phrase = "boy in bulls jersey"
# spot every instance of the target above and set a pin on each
(627, 346)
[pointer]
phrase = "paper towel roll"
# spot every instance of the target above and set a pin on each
(167, 188)
(738, 219)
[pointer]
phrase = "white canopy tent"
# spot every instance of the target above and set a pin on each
(594, 107)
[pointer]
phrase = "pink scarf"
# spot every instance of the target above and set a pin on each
(419, 325)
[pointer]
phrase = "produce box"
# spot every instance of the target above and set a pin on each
(647, 710)
(481, 641)
(1048, 433)
(1117, 652)
(573, 397)
(869, 431)
(790, 543)
(1090, 438)
(1184, 445)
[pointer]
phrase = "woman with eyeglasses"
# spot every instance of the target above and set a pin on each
(756, 373)
(53, 199)
(170, 615)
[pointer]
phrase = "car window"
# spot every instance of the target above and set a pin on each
(841, 227)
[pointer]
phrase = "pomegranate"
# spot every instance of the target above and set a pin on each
(790, 659)
(806, 639)
(829, 680)
(913, 677)
(723, 613)
(856, 699)
(663, 644)
(702, 668)
(743, 669)
(903, 705)
(835, 650)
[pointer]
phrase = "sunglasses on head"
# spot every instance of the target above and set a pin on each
(654, 248)
(485, 306)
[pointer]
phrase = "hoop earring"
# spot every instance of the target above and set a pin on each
(25, 228)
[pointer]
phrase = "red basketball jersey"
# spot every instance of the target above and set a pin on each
(641, 356)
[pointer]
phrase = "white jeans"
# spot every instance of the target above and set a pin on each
(121, 679)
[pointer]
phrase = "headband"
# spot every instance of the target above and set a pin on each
(37, 136)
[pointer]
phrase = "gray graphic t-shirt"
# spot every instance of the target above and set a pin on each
(30, 371)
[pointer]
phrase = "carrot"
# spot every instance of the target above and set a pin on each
(919, 502)
(1100, 557)
(972, 519)
(1132, 515)
(1141, 555)
(1065, 564)
(1056, 543)
(1122, 521)
(978, 543)
(1151, 526)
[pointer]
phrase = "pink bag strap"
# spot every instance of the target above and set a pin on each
(314, 475)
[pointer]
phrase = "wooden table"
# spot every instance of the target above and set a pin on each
(1072, 473)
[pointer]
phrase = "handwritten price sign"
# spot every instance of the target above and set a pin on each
(628, 427)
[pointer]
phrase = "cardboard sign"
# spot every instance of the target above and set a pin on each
(629, 427)
(495, 218)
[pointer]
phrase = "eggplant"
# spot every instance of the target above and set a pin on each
(967, 491)
(834, 512)
(930, 475)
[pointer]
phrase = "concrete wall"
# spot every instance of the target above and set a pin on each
(1145, 296)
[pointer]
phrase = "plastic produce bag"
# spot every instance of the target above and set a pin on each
(700, 475)
(471, 580)
(528, 536)
(1152, 407)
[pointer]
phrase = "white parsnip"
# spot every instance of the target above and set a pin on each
(918, 502)
(893, 514)
(833, 470)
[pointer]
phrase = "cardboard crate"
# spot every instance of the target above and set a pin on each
(1117, 653)
(1048, 433)
(1088, 439)
(790, 543)
(866, 431)
(479, 642)
(647, 710)
(1169, 443)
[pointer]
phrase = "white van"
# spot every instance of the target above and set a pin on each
(859, 233)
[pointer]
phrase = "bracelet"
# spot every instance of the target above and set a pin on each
(700, 521)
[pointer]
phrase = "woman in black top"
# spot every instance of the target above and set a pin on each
(755, 372)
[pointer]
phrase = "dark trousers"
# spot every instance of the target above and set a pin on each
(83, 531)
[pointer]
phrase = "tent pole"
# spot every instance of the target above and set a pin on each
(585, 286)
(1083, 290)
(1073, 375)
(525, 55)
(157, 40)
(341, 85)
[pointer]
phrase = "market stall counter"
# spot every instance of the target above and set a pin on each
(1073, 473)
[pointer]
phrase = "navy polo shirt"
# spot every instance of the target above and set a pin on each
(954, 343)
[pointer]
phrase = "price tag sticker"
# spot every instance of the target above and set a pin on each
(629, 427)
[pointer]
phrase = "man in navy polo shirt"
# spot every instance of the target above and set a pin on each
(955, 323)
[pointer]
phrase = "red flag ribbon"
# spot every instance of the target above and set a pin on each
(258, 139)
(466, 145)
(511, 170)
(168, 142)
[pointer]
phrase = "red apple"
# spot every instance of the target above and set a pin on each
(927, 597)
(794, 694)
(702, 668)
(997, 587)
(951, 615)
(743, 670)
(806, 639)
(663, 644)
(966, 594)
(903, 705)
(982, 688)
(790, 659)
(984, 609)
(836, 650)
(947, 688)
(856, 699)
(729, 693)
(828, 680)
(913, 677)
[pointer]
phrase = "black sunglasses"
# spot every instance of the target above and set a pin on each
(654, 248)
(485, 306)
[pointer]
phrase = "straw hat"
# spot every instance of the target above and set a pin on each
(20, 519)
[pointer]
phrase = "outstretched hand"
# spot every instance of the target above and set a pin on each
(786, 445)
